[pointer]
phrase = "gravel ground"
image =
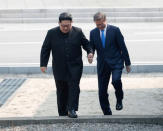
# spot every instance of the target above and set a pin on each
(86, 127)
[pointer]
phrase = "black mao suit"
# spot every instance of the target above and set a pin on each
(67, 64)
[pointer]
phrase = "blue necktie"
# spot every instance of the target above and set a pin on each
(103, 38)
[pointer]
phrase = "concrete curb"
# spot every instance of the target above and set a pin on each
(86, 70)
(127, 119)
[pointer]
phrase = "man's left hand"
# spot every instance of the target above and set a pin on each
(90, 58)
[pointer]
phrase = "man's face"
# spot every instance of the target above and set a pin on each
(65, 26)
(101, 24)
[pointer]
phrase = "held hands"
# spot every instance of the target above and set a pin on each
(128, 69)
(43, 69)
(90, 58)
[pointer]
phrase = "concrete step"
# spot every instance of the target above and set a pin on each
(49, 4)
(81, 20)
(82, 15)
(115, 119)
(79, 10)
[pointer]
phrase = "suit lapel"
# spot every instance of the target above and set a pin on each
(107, 37)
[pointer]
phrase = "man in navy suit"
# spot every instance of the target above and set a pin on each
(112, 53)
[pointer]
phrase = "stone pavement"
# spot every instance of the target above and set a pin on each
(143, 95)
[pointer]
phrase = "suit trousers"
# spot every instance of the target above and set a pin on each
(67, 96)
(103, 81)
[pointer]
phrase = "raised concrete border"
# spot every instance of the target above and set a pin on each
(91, 69)
(126, 119)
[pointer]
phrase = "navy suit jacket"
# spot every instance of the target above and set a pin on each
(115, 52)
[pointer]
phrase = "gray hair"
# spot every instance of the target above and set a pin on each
(99, 16)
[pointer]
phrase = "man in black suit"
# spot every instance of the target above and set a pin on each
(65, 42)
(111, 50)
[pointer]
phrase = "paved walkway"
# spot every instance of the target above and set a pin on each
(26, 40)
(37, 96)
(47, 4)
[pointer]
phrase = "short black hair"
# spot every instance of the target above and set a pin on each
(65, 16)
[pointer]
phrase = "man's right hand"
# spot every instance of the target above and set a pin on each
(128, 69)
(43, 69)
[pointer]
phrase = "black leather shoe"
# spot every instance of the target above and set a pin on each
(119, 105)
(109, 112)
(72, 114)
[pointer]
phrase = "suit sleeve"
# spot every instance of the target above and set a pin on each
(92, 42)
(45, 51)
(85, 43)
(122, 46)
